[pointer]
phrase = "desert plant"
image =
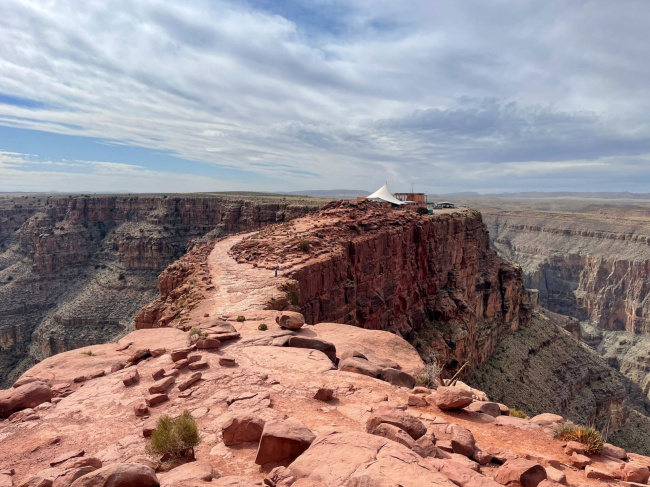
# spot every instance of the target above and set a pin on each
(10, 278)
(292, 297)
(120, 277)
(518, 413)
(197, 331)
(352, 215)
(421, 210)
(241, 318)
(176, 437)
(429, 376)
(263, 327)
(590, 437)
(304, 245)
(89, 353)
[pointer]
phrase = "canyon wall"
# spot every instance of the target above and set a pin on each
(74, 270)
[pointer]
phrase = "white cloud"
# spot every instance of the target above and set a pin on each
(332, 100)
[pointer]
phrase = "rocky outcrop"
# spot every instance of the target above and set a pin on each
(74, 270)
(430, 277)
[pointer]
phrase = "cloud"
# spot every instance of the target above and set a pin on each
(325, 93)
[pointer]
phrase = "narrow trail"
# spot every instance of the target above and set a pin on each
(237, 286)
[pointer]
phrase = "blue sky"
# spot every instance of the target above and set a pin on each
(273, 95)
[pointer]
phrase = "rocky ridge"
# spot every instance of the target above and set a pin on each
(74, 270)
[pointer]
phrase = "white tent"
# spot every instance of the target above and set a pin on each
(384, 195)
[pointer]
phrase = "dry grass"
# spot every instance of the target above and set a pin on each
(590, 437)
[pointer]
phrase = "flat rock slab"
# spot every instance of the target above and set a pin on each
(190, 381)
(156, 399)
(283, 440)
(198, 365)
(162, 385)
(67, 456)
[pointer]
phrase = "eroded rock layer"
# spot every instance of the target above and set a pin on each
(74, 270)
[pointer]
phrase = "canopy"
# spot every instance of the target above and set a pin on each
(384, 195)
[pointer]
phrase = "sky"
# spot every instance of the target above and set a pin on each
(290, 95)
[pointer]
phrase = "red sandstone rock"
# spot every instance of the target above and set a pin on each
(360, 366)
(190, 381)
(610, 450)
(67, 456)
(148, 427)
(208, 343)
(394, 433)
(462, 440)
(526, 472)
(189, 473)
(156, 399)
(25, 396)
(283, 440)
(413, 426)
(198, 365)
(181, 353)
(79, 462)
(579, 461)
(326, 347)
(194, 358)
(158, 374)
(324, 394)
(574, 447)
(555, 475)
(547, 419)
(181, 364)
(119, 475)
(417, 400)
(397, 378)
(633, 472)
(227, 361)
(161, 386)
(139, 355)
(485, 407)
(592, 472)
(452, 398)
(131, 377)
(247, 426)
(290, 320)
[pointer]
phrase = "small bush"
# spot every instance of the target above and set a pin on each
(175, 436)
(430, 375)
(263, 327)
(591, 438)
(10, 278)
(352, 215)
(304, 245)
(518, 413)
(292, 297)
(241, 318)
(197, 331)
(121, 277)
(421, 210)
(89, 353)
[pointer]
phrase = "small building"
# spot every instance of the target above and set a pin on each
(412, 197)
(382, 194)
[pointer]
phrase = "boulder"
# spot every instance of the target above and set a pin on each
(68, 476)
(634, 472)
(485, 407)
(462, 440)
(119, 475)
(413, 426)
(394, 433)
(505, 410)
(421, 390)
(555, 475)
(131, 377)
(574, 447)
(190, 381)
(290, 320)
(526, 472)
(181, 353)
(227, 361)
(158, 374)
(417, 400)
(427, 447)
(148, 427)
(592, 472)
(610, 450)
(157, 352)
(162, 385)
(195, 357)
(326, 347)
(198, 365)
(481, 457)
(547, 419)
(22, 397)
(138, 355)
(398, 378)
(79, 462)
(360, 366)
(324, 394)
(140, 409)
(579, 461)
(188, 473)
(208, 343)
(357, 459)
(451, 397)
(247, 426)
(283, 440)
(353, 353)
(182, 363)
(279, 477)
(36, 480)
(156, 399)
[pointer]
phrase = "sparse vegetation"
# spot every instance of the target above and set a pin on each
(518, 413)
(292, 297)
(175, 436)
(589, 437)
(421, 210)
(10, 278)
(304, 245)
(197, 331)
(352, 215)
(430, 375)
(262, 327)
(121, 277)
(89, 353)
(241, 318)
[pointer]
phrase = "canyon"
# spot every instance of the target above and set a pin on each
(74, 270)
(309, 378)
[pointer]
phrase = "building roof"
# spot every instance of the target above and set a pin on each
(384, 195)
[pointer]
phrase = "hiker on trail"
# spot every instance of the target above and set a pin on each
(277, 266)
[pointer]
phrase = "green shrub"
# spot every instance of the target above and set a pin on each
(517, 413)
(241, 318)
(89, 353)
(590, 437)
(421, 210)
(352, 215)
(175, 436)
(197, 331)
(263, 327)
(304, 245)
(292, 297)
